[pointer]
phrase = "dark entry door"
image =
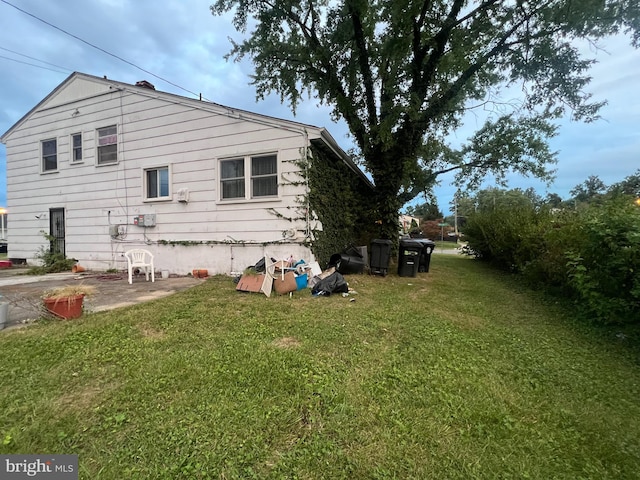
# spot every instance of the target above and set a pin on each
(56, 230)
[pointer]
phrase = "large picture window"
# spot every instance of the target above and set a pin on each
(156, 183)
(249, 177)
(49, 155)
(107, 145)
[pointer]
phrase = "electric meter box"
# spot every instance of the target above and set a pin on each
(146, 220)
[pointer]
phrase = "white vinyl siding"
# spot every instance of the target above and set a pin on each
(49, 155)
(189, 139)
(107, 145)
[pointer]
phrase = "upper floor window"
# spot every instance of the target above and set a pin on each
(107, 145)
(156, 183)
(76, 145)
(49, 155)
(257, 175)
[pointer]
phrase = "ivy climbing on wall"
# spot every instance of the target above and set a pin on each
(340, 201)
(335, 208)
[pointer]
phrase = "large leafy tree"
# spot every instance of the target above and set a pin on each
(403, 73)
(590, 189)
(494, 199)
(426, 211)
(629, 186)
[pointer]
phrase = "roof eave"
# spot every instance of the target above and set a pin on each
(26, 115)
(340, 153)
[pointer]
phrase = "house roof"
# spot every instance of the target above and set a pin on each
(147, 89)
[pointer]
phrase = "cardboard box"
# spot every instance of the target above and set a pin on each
(250, 283)
(287, 285)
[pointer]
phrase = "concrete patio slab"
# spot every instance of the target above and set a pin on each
(24, 292)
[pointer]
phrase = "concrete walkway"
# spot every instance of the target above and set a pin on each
(9, 280)
(446, 251)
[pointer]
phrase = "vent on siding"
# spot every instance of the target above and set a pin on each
(182, 195)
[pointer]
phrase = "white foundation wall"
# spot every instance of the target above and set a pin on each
(217, 259)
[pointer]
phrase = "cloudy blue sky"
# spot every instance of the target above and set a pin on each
(182, 42)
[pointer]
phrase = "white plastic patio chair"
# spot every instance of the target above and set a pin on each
(142, 259)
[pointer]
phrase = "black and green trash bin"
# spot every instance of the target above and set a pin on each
(428, 247)
(409, 257)
(380, 255)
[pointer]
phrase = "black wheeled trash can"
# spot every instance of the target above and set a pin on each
(409, 258)
(380, 255)
(425, 257)
(353, 260)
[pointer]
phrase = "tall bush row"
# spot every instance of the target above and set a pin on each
(591, 255)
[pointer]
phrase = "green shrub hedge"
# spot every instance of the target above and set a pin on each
(591, 255)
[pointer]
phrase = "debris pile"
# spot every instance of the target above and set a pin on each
(288, 275)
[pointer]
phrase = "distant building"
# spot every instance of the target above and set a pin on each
(406, 223)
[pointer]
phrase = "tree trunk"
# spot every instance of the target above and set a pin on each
(387, 176)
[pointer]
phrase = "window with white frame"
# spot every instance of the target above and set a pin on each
(107, 145)
(264, 176)
(49, 155)
(156, 183)
(255, 175)
(76, 147)
(232, 178)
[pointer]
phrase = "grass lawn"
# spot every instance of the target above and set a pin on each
(455, 374)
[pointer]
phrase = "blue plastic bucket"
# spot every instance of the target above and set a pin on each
(301, 281)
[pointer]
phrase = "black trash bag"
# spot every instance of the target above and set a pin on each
(260, 266)
(334, 261)
(334, 283)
